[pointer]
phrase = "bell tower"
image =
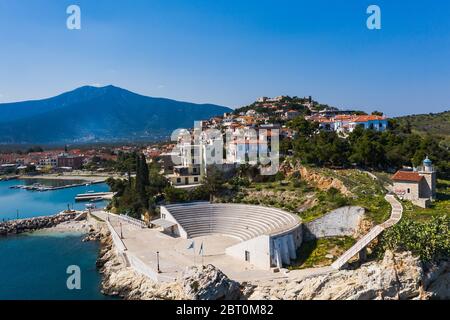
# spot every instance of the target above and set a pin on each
(429, 173)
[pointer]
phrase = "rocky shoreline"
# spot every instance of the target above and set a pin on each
(398, 276)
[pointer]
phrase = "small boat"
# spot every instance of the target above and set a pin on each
(96, 199)
(90, 206)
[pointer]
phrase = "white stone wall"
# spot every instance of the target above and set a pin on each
(340, 222)
(179, 231)
(259, 249)
(401, 189)
(283, 250)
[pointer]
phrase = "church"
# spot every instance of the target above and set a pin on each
(418, 186)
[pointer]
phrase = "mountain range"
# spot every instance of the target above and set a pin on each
(98, 114)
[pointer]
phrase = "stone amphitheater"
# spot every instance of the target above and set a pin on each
(267, 237)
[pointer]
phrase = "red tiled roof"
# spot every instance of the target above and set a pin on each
(407, 176)
(368, 118)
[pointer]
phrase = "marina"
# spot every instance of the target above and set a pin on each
(42, 188)
(22, 203)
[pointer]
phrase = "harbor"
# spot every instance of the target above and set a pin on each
(42, 188)
(22, 203)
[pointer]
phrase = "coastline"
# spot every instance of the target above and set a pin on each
(373, 280)
(87, 178)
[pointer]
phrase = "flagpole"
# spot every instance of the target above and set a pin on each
(203, 260)
(193, 247)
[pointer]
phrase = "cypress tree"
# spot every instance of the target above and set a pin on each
(145, 172)
(142, 179)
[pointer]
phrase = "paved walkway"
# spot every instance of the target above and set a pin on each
(396, 215)
(175, 255)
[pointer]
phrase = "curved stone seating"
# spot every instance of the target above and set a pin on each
(241, 221)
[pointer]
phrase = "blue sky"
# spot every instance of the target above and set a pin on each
(230, 52)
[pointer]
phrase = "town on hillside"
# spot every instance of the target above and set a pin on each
(321, 189)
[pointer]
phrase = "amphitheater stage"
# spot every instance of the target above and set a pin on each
(267, 237)
(175, 255)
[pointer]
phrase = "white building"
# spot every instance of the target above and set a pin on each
(417, 186)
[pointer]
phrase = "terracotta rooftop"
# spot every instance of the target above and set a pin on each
(407, 176)
(365, 118)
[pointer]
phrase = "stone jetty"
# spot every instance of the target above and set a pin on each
(33, 224)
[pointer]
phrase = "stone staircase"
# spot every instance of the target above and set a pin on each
(396, 215)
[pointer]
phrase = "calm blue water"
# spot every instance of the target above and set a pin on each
(32, 203)
(33, 266)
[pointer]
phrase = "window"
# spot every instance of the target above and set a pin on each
(409, 190)
(247, 256)
(195, 179)
(178, 180)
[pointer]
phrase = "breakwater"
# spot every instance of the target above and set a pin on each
(33, 224)
(42, 188)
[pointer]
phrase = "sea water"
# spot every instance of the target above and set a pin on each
(26, 204)
(35, 265)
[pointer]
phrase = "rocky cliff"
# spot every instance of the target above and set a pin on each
(398, 276)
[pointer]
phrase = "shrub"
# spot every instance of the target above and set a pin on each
(428, 240)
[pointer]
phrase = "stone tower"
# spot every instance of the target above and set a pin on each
(428, 172)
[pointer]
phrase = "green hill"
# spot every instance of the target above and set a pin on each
(433, 123)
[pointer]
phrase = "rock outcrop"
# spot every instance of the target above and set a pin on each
(397, 276)
(311, 176)
(33, 224)
(437, 280)
(208, 283)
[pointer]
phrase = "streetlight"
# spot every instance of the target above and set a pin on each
(157, 261)
(17, 214)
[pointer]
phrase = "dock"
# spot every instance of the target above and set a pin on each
(41, 188)
(94, 196)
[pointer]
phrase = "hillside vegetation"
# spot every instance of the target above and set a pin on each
(432, 123)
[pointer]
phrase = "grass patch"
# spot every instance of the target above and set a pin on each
(368, 193)
(439, 207)
(313, 254)
(328, 201)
